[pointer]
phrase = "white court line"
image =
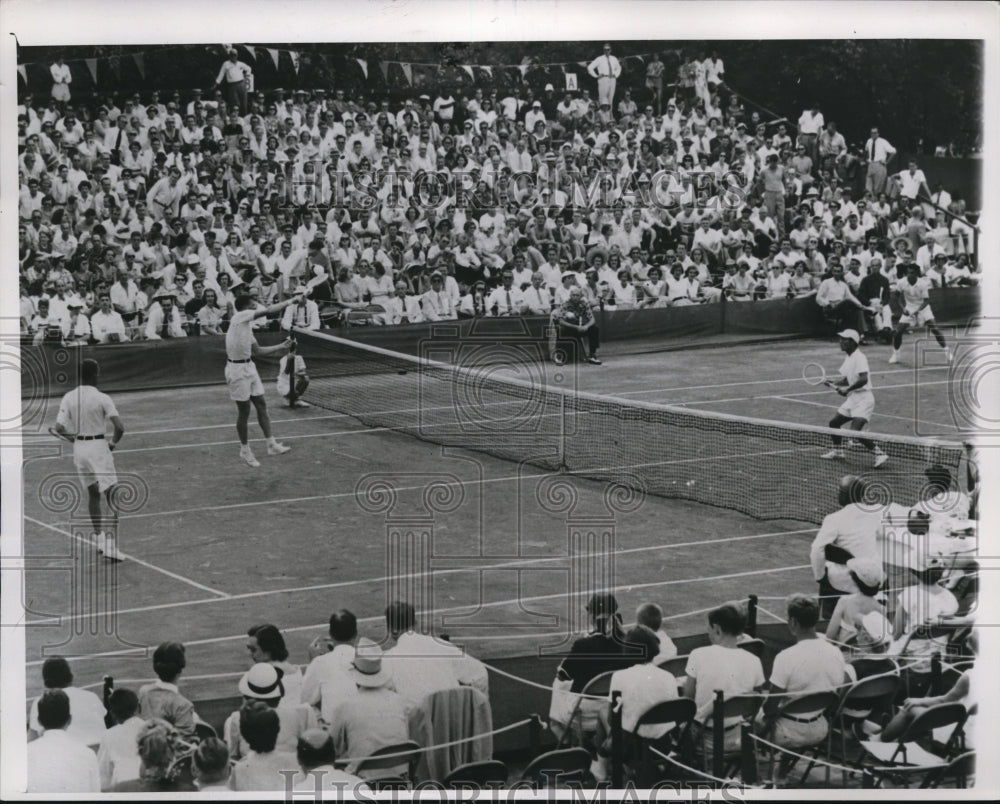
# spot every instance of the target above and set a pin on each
(453, 609)
(232, 424)
(911, 420)
(581, 473)
(530, 562)
(759, 382)
(133, 559)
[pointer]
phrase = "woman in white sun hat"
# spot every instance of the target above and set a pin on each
(847, 623)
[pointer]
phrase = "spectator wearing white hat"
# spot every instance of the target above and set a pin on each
(846, 623)
(262, 682)
(534, 116)
(375, 716)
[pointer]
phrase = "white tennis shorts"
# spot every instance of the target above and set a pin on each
(858, 405)
(95, 463)
(925, 316)
(244, 381)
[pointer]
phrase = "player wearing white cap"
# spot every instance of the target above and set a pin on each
(916, 311)
(859, 401)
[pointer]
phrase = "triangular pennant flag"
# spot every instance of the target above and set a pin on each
(363, 64)
(486, 69)
(22, 72)
(273, 53)
(384, 67)
(523, 69)
(296, 60)
(468, 69)
(140, 63)
(407, 72)
(251, 51)
(92, 67)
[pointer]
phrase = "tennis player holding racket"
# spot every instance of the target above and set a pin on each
(859, 401)
(84, 415)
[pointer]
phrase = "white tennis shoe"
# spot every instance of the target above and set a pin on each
(277, 448)
(948, 355)
(894, 357)
(833, 454)
(112, 552)
(248, 458)
(100, 541)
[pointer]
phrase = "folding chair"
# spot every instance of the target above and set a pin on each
(857, 703)
(599, 685)
(203, 731)
(906, 753)
(795, 708)
(743, 706)
(680, 712)
(492, 772)
(567, 764)
(407, 753)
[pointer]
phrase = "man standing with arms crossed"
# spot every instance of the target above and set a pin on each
(245, 386)
(606, 69)
(84, 415)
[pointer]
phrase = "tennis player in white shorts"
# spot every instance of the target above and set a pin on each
(916, 311)
(245, 386)
(859, 401)
(84, 415)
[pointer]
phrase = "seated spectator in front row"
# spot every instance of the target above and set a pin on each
(376, 715)
(57, 762)
(86, 708)
(266, 644)
(118, 755)
(158, 750)
(651, 616)
(162, 699)
(107, 325)
(810, 665)
(317, 774)
(327, 682)
(421, 664)
(263, 682)
(261, 769)
(164, 319)
(725, 666)
(210, 766)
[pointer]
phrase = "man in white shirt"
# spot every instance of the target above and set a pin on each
(437, 303)
(912, 181)
(606, 69)
(916, 311)
(834, 297)
(402, 308)
(855, 386)
(506, 300)
(812, 664)
(810, 124)
(878, 151)
(118, 755)
(327, 683)
(61, 79)
(304, 314)
(232, 78)
(84, 414)
(537, 298)
(85, 708)
(57, 762)
(421, 665)
(164, 319)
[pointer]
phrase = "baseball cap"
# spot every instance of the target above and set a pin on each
(850, 334)
(549, 88)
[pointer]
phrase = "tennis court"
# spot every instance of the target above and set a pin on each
(483, 542)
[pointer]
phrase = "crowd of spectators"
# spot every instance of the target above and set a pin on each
(355, 696)
(142, 215)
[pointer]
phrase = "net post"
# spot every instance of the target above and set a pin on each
(752, 616)
(718, 734)
(617, 766)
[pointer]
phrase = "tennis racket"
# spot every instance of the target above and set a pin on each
(815, 374)
(555, 355)
(68, 437)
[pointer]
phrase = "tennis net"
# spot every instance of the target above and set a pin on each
(500, 401)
